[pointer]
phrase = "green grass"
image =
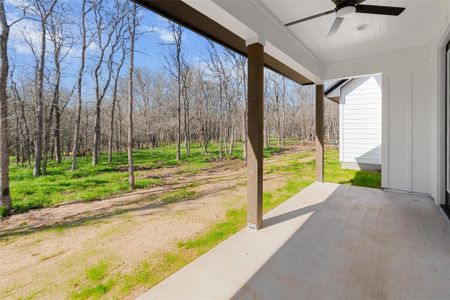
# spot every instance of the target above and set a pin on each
(182, 194)
(97, 284)
(97, 272)
(334, 173)
(298, 170)
(3, 211)
(90, 183)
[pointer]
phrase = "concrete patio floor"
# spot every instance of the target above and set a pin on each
(327, 242)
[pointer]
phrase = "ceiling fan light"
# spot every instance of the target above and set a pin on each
(362, 27)
(345, 11)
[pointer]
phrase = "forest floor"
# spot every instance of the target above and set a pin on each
(121, 246)
(107, 179)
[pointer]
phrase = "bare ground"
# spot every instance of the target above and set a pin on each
(38, 246)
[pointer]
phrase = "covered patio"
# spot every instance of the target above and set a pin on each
(334, 241)
(408, 55)
(329, 241)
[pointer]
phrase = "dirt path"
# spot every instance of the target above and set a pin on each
(218, 176)
(36, 247)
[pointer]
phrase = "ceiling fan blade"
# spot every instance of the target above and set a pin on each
(311, 17)
(379, 10)
(343, 2)
(337, 23)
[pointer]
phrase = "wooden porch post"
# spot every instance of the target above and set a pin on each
(319, 132)
(255, 135)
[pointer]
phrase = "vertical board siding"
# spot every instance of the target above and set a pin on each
(421, 139)
(399, 143)
(406, 127)
(360, 113)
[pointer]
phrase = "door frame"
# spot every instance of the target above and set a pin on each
(445, 202)
(438, 191)
(446, 128)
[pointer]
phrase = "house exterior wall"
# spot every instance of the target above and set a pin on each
(360, 123)
(407, 125)
(409, 116)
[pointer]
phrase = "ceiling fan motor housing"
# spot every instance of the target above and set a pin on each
(345, 11)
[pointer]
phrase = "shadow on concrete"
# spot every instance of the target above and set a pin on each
(356, 245)
(289, 215)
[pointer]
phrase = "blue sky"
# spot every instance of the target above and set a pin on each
(149, 46)
(150, 42)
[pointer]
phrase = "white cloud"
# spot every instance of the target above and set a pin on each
(25, 29)
(17, 3)
(29, 30)
(165, 35)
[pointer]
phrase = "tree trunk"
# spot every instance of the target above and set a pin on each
(96, 150)
(48, 127)
(76, 134)
(132, 31)
(57, 134)
(187, 141)
(17, 136)
(40, 105)
(178, 157)
(26, 135)
(244, 134)
(44, 14)
(116, 27)
(5, 198)
(113, 106)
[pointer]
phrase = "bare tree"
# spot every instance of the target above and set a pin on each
(222, 74)
(132, 24)
(42, 9)
(114, 100)
(174, 59)
(186, 82)
(24, 129)
(203, 107)
(277, 97)
(62, 44)
(5, 197)
(107, 23)
(84, 46)
(241, 64)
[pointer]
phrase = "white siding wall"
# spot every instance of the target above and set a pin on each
(413, 88)
(360, 121)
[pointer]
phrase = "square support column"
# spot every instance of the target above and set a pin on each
(319, 133)
(255, 135)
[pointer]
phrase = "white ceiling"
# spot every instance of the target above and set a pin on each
(418, 25)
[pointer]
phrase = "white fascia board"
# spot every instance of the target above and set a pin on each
(399, 60)
(213, 11)
(250, 18)
(257, 39)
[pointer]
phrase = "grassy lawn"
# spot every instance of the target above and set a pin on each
(90, 183)
(298, 168)
(334, 173)
(102, 279)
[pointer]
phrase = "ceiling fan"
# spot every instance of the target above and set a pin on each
(345, 8)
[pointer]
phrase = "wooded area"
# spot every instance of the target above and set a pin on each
(111, 106)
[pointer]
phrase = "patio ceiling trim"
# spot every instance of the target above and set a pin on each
(334, 87)
(185, 15)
